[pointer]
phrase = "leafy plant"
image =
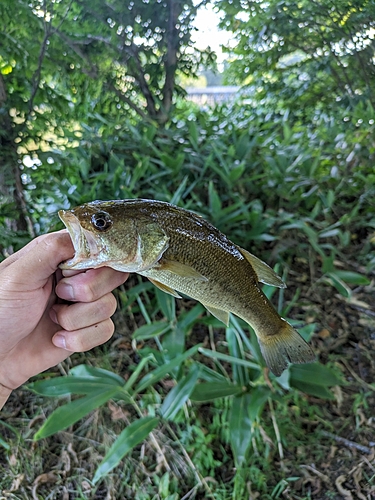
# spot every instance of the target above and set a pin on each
(246, 383)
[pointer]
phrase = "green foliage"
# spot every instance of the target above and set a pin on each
(245, 382)
(314, 53)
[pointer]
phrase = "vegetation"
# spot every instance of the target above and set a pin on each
(175, 406)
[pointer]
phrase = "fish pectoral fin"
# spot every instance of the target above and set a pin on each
(263, 271)
(180, 269)
(218, 313)
(165, 288)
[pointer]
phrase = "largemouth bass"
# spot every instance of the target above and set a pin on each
(179, 251)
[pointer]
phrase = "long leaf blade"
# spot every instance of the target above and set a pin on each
(132, 435)
(70, 413)
(226, 357)
(92, 371)
(159, 373)
(63, 386)
(240, 427)
(149, 331)
(209, 391)
(178, 396)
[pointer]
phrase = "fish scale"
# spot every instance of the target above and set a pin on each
(179, 251)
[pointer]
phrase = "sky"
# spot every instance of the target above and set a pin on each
(208, 33)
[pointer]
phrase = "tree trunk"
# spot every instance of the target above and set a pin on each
(11, 187)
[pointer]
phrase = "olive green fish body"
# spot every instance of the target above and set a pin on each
(180, 252)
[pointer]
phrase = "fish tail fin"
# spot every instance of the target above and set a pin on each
(284, 347)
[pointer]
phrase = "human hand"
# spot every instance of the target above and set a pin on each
(36, 331)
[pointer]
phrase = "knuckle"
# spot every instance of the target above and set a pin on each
(108, 305)
(84, 291)
(92, 336)
(65, 320)
(107, 330)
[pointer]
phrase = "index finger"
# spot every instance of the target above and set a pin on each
(90, 285)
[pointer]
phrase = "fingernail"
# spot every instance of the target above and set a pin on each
(65, 291)
(53, 316)
(59, 341)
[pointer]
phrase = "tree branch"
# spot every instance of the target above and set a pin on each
(92, 70)
(11, 167)
(170, 62)
(143, 85)
(127, 100)
(35, 81)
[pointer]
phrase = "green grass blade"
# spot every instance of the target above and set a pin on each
(178, 396)
(132, 435)
(213, 390)
(4, 444)
(314, 379)
(159, 373)
(339, 284)
(209, 375)
(63, 386)
(11, 428)
(187, 319)
(133, 377)
(313, 389)
(91, 371)
(240, 427)
(314, 372)
(259, 396)
(70, 413)
(351, 277)
(230, 359)
(235, 346)
(150, 331)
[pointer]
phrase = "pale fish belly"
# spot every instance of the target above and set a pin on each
(220, 296)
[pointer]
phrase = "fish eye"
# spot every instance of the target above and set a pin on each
(101, 221)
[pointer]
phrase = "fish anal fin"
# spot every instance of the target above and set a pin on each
(263, 271)
(182, 270)
(284, 347)
(218, 313)
(165, 288)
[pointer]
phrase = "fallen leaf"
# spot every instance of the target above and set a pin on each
(323, 334)
(332, 451)
(64, 461)
(117, 413)
(72, 453)
(47, 477)
(344, 492)
(338, 395)
(86, 486)
(17, 481)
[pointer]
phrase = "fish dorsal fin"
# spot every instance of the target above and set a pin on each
(165, 288)
(218, 313)
(263, 271)
(182, 270)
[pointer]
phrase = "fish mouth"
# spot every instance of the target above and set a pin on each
(86, 244)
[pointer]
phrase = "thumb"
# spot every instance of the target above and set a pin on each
(38, 260)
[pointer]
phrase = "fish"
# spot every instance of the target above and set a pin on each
(182, 253)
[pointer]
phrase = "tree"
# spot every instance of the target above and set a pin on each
(310, 50)
(62, 62)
